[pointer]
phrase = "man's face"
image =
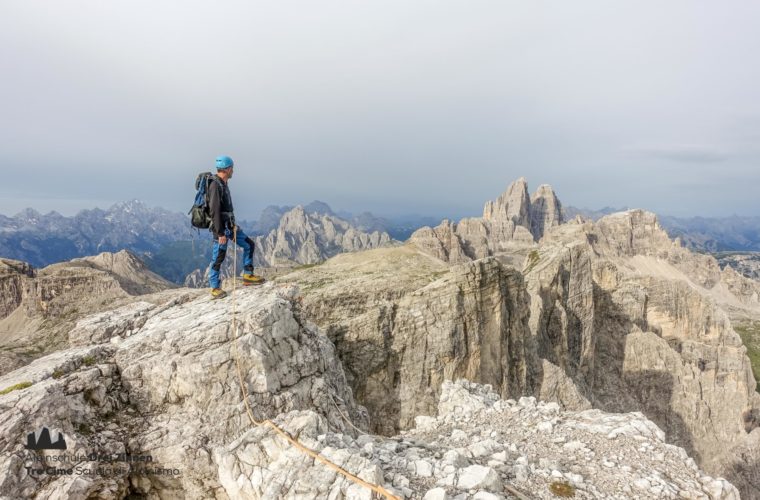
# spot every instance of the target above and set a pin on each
(229, 172)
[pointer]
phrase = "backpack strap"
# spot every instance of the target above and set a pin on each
(208, 180)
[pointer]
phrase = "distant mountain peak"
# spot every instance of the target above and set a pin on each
(131, 206)
(535, 212)
(515, 217)
(319, 207)
(28, 214)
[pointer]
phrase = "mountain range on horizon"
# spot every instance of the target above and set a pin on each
(173, 249)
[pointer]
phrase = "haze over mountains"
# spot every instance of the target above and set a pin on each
(165, 239)
(736, 233)
(153, 232)
(629, 341)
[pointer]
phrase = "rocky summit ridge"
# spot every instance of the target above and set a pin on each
(609, 314)
(167, 388)
(515, 355)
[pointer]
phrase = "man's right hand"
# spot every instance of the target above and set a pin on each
(222, 240)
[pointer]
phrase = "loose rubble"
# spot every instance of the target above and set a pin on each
(479, 447)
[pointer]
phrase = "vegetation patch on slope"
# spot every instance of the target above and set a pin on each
(17, 387)
(749, 331)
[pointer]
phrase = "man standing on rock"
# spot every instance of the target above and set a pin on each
(223, 227)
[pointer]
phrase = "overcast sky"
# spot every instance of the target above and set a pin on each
(412, 106)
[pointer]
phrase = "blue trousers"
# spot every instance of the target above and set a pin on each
(220, 251)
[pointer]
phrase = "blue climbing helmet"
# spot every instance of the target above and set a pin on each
(223, 162)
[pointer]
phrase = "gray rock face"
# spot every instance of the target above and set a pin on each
(545, 211)
(168, 387)
(512, 222)
(13, 274)
(160, 380)
(562, 313)
(403, 322)
(39, 307)
(513, 205)
(128, 269)
(610, 315)
(661, 340)
(306, 238)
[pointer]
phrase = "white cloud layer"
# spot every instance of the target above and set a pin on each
(394, 106)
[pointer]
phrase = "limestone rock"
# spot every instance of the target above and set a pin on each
(612, 315)
(133, 276)
(513, 205)
(418, 323)
(179, 366)
(255, 466)
(13, 274)
(513, 222)
(545, 211)
(40, 307)
(177, 363)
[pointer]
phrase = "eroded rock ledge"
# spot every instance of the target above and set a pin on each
(161, 381)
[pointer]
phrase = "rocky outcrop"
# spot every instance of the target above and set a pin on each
(663, 343)
(13, 275)
(559, 281)
(403, 322)
(514, 221)
(512, 205)
(180, 369)
(611, 315)
(131, 273)
(176, 362)
(306, 238)
(41, 306)
(167, 388)
(545, 211)
(443, 242)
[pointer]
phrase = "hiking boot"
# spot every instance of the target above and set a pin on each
(218, 293)
(252, 279)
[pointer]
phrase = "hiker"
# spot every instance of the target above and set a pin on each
(223, 228)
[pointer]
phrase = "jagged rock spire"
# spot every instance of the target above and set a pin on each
(515, 218)
(535, 213)
(545, 210)
(512, 205)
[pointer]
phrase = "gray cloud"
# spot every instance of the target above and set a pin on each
(393, 106)
(682, 153)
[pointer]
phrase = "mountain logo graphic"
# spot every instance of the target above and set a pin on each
(40, 440)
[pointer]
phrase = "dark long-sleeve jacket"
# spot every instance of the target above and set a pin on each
(220, 207)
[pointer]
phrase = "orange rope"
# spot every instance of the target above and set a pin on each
(316, 456)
